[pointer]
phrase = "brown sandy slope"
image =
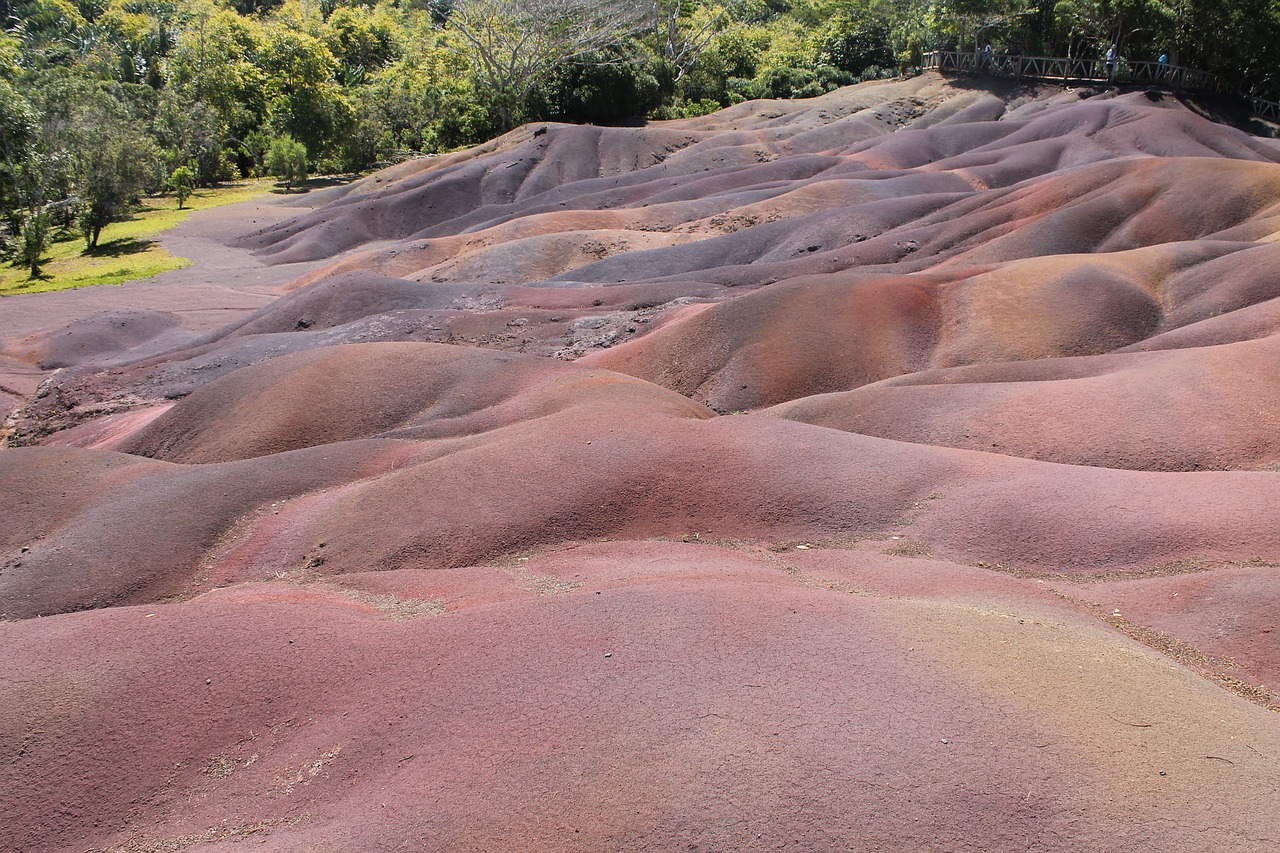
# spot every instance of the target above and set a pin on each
(891, 470)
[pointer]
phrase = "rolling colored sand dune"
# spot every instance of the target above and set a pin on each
(891, 470)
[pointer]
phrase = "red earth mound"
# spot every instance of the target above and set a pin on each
(816, 474)
(1176, 410)
(628, 695)
(423, 391)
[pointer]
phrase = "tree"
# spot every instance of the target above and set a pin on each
(426, 101)
(10, 52)
(604, 88)
(113, 174)
(1238, 39)
(35, 239)
(359, 43)
(304, 101)
(181, 182)
(137, 35)
(287, 160)
(45, 173)
(854, 40)
(686, 28)
(254, 7)
(978, 18)
(514, 43)
(18, 123)
(214, 63)
(194, 134)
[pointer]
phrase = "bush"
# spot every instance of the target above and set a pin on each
(602, 87)
(875, 72)
(855, 46)
(797, 82)
(287, 160)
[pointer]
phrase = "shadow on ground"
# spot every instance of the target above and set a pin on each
(120, 247)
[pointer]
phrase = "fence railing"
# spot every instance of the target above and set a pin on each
(1265, 109)
(1077, 70)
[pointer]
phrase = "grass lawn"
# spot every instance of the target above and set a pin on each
(126, 250)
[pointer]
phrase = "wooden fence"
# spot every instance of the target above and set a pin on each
(1093, 70)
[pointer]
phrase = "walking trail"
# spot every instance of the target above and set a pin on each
(220, 285)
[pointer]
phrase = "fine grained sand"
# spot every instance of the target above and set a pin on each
(891, 470)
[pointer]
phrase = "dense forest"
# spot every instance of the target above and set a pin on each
(103, 101)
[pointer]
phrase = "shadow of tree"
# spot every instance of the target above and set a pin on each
(118, 247)
(317, 182)
(19, 264)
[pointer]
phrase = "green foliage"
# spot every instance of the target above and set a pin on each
(10, 53)
(360, 44)
(605, 86)
(287, 160)
(693, 109)
(303, 100)
(18, 123)
(854, 45)
(35, 240)
(182, 181)
(514, 45)
(732, 58)
(191, 132)
(797, 82)
(214, 62)
(114, 173)
(254, 7)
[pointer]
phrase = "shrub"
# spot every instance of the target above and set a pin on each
(287, 160)
(181, 182)
(35, 239)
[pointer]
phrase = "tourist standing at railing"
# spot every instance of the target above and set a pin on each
(1112, 54)
(986, 57)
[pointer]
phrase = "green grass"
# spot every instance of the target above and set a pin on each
(126, 250)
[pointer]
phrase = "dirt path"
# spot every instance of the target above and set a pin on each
(221, 284)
